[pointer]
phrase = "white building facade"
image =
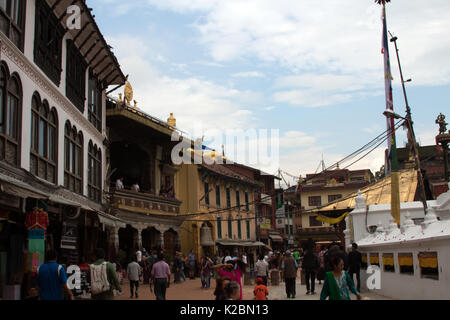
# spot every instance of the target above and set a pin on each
(413, 260)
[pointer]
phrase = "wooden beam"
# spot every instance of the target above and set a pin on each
(65, 11)
(56, 4)
(104, 69)
(100, 62)
(90, 49)
(80, 32)
(86, 40)
(108, 75)
(96, 55)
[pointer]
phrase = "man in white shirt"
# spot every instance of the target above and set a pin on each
(262, 269)
(133, 271)
(138, 255)
(119, 184)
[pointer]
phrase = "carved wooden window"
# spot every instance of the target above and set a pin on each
(44, 140)
(206, 190)
(10, 115)
(248, 229)
(247, 205)
(239, 223)
(75, 76)
(230, 228)
(238, 200)
(228, 191)
(219, 228)
(94, 173)
(12, 20)
(218, 196)
(73, 159)
(48, 42)
(95, 102)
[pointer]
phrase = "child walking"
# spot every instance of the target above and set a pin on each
(260, 290)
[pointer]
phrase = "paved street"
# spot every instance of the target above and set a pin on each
(191, 290)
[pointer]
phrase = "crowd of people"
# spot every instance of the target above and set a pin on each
(331, 264)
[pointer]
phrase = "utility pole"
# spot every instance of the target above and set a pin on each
(411, 135)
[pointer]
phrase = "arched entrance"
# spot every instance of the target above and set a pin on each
(127, 244)
(151, 239)
(171, 242)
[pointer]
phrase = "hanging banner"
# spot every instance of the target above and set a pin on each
(332, 221)
(36, 249)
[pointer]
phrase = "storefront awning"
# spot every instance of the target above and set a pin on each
(19, 189)
(110, 221)
(241, 243)
(276, 238)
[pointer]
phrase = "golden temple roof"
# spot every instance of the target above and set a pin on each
(380, 192)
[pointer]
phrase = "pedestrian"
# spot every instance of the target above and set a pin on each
(191, 261)
(133, 271)
(232, 291)
(161, 276)
(354, 263)
(205, 272)
(290, 268)
(338, 283)
(227, 258)
(233, 270)
(260, 290)
(296, 255)
(333, 251)
(219, 292)
(103, 277)
(321, 273)
(138, 255)
(310, 265)
(262, 269)
(51, 279)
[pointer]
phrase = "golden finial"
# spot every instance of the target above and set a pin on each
(135, 104)
(172, 121)
(128, 93)
(120, 97)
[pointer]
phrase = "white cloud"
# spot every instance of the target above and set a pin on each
(335, 37)
(250, 74)
(270, 108)
(192, 100)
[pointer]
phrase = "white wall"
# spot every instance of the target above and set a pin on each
(413, 287)
(23, 64)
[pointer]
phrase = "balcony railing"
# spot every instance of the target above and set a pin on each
(144, 202)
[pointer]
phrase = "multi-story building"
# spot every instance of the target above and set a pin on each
(266, 203)
(53, 78)
(219, 206)
(320, 189)
(139, 152)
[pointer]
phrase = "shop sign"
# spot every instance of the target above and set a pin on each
(266, 225)
(69, 236)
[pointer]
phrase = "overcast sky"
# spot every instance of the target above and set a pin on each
(312, 69)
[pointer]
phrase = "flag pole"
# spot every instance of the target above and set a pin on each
(395, 180)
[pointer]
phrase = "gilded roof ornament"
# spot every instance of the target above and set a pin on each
(128, 93)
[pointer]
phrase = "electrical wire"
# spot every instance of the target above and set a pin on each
(380, 139)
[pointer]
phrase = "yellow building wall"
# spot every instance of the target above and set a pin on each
(190, 190)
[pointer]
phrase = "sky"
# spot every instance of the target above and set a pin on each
(311, 69)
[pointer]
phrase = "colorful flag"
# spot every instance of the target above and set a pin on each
(388, 87)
